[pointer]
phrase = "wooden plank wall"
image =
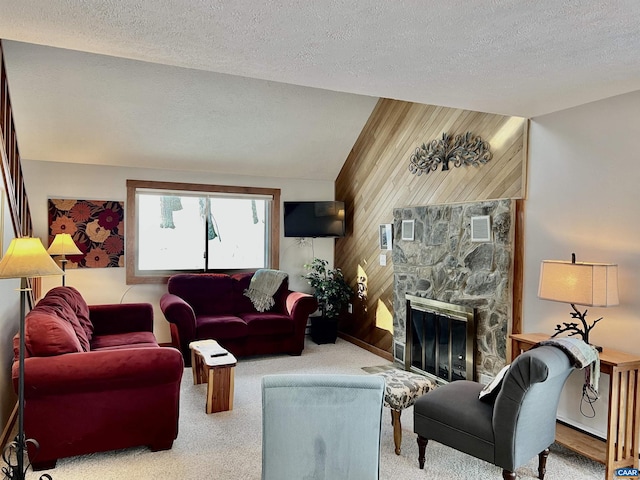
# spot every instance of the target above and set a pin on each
(375, 179)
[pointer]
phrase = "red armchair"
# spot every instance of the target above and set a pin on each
(96, 379)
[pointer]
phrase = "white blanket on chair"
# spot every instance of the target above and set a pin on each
(582, 356)
(264, 284)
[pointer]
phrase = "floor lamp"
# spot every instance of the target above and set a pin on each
(63, 245)
(25, 258)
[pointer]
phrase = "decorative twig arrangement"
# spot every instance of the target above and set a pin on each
(574, 328)
(465, 150)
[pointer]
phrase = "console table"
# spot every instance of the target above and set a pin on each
(623, 426)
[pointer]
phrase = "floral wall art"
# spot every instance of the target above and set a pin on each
(97, 228)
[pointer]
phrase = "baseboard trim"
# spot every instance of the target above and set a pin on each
(370, 348)
(7, 433)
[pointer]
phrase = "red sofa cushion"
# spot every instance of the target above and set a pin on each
(220, 327)
(46, 335)
(268, 323)
(124, 340)
(207, 293)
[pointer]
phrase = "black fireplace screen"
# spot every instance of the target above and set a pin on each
(440, 339)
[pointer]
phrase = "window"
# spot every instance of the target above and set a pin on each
(177, 227)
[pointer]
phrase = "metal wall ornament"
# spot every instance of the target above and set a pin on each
(465, 150)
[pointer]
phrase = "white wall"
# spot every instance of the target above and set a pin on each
(46, 180)
(584, 197)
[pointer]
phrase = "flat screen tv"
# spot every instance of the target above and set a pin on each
(314, 219)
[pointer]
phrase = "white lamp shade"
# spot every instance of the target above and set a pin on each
(63, 244)
(590, 284)
(26, 257)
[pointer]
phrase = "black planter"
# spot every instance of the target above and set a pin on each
(324, 330)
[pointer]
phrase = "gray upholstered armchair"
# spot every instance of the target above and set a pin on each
(321, 427)
(519, 425)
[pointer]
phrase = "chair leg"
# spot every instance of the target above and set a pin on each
(422, 446)
(542, 463)
(507, 475)
(397, 429)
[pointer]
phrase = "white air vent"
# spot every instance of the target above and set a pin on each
(398, 352)
(481, 229)
(408, 227)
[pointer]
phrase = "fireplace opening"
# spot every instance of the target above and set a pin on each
(440, 339)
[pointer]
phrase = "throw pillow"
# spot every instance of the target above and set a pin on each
(491, 390)
(58, 306)
(47, 335)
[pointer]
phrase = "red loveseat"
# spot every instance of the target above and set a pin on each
(213, 306)
(95, 379)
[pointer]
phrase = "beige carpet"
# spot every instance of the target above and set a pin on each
(227, 445)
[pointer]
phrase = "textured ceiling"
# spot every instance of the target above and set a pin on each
(85, 108)
(224, 86)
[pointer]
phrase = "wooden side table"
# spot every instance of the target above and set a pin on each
(213, 364)
(623, 424)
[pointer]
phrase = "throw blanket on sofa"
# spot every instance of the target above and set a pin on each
(264, 284)
(582, 355)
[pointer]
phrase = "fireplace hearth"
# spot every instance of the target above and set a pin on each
(440, 339)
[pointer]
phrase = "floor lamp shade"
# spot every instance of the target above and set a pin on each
(589, 284)
(26, 258)
(63, 245)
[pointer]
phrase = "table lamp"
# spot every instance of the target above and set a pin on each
(63, 245)
(25, 258)
(588, 284)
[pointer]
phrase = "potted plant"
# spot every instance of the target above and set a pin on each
(333, 294)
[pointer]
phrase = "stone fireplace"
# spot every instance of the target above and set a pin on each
(442, 263)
